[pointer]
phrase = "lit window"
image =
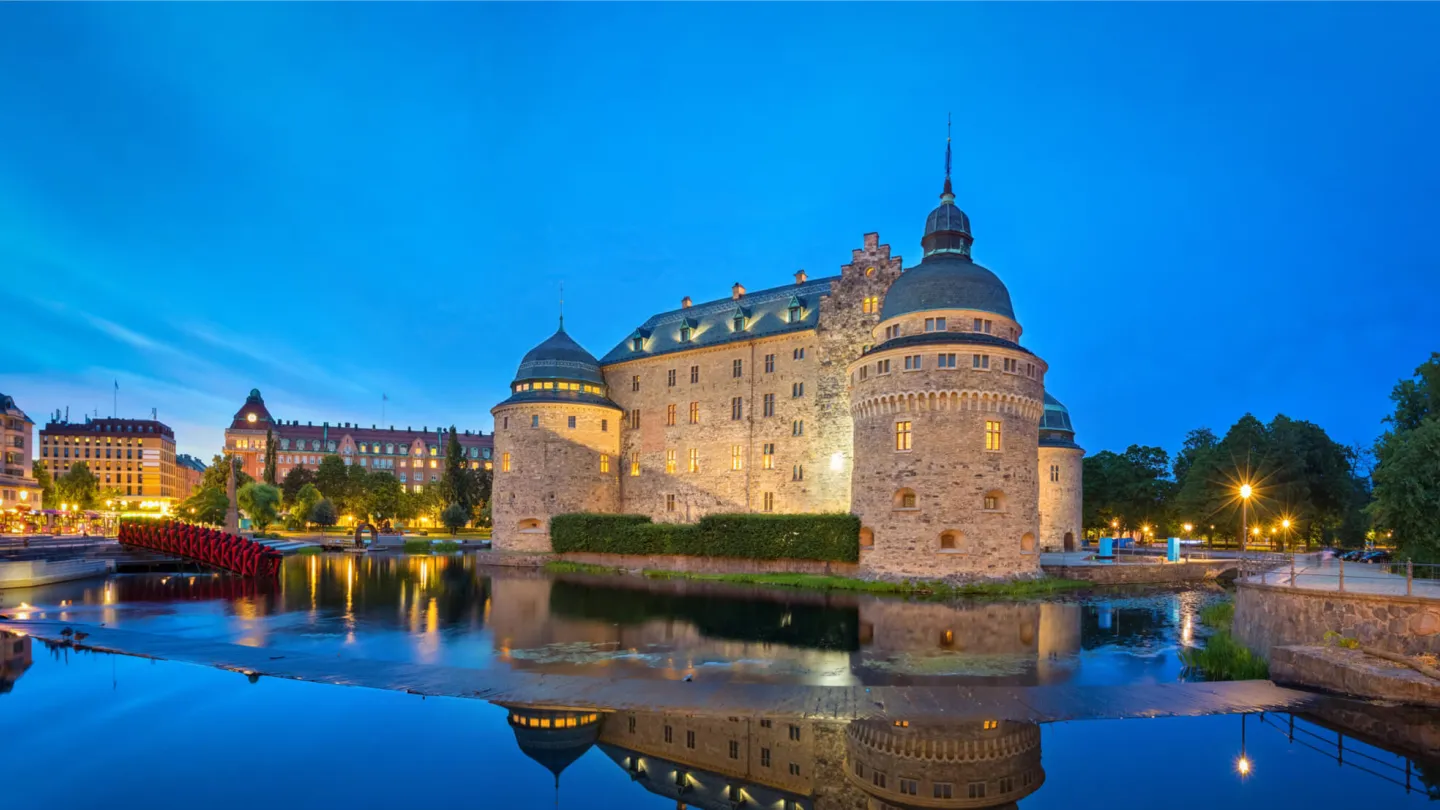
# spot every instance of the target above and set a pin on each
(768, 502)
(504, 464)
(992, 435)
(635, 419)
(870, 305)
(695, 413)
(992, 502)
(737, 462)
(604, 463)
(902, 435)
(635, 463)
(433, 464)
(767, 457)
(694, 459)
(670, 461)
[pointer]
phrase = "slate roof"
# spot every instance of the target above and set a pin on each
(1055, 427)
(949, 338)
(946, 281)
(947, 217)
(559, 357)
(712, 323)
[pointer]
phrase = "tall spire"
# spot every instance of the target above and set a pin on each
(562, 306)
(948, 192)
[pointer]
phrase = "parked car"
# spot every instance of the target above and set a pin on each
(1353, 555)
(1380, 556)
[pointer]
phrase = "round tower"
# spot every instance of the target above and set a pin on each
(946, 407)
(557, 445)
(926, 763)
(1061, 479)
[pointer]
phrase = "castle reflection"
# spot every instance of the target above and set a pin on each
(15, 658)
(720, 762)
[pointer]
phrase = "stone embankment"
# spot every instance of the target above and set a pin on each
(1142, 573)
(1352, 672)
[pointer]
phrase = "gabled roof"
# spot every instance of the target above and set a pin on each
(712, 323)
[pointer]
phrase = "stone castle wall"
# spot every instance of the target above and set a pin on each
(552, 469)
(947, 468)
(1060, 501)
(1271, 616)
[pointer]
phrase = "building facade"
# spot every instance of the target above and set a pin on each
(904, 396)
(132, 458)
(191, 471)
(18, 489)
(415, 457)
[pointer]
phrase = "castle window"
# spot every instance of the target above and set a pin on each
(950, 541)
(670, 377)
(994, 501)
(768, 502)
(981, 361)
(795, 735)
(737, 407)
(798, 354)
(902, 435)
(797, 473)
(694, 459)
(797, 389)
(734, 749)
(870, 305)
(637, 344)
(882, 366)
(864, 371)
(604, 425)
(935, 325)
(977, 790)
(943, 790)
(635, 383)
(794, 769)
(684, 334)
(695, 413)
(992, 435)
(877, 778)
(689, 739)
(694, 374)
(905, 499)
(534, 421)
(765, 752)
(739, 323)
(505, 425)
(1012, 365)
(504, 465)
(635, 419)
(670, 414)
(670, 462)
(769, 363)
(1030, 370)
(737, 462)
(983, 325)
(892, 331)
(1007, 784)
(669, 734)
(1054, 473)
(793, 315)
(797, 427)
(867, 537)
(912, 362)
(767, 456)
(737, 368)
(604, 463)
(769, 404)
(909, 787)
(570, 422)
(635, 463)
(1027, 543)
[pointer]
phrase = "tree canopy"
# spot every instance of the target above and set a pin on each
(78, 486)
(1407, 467)
(261, 503)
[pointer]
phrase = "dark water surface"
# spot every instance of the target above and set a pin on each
(86, 730)
(447, 610)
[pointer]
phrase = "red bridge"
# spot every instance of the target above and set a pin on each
(208, 546)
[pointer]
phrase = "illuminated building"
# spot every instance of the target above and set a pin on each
(18, 488)
(135, 457)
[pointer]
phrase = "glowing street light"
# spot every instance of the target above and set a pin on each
(1243, 766)
(1245, 492)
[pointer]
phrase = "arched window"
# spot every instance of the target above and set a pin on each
(994, 501)
(867, 537)
(1027, 543)
(870, 305)
(530, 525)
(905, 499)
(950, 540)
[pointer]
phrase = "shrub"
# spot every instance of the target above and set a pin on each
(761, 537)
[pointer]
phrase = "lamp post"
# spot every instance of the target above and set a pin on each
(1245, 492)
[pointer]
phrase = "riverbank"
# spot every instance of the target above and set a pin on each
(1018, 589)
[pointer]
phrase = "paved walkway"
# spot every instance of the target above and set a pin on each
(1036, 704)
(1359, 578)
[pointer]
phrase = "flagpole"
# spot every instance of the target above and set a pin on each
(115, 403)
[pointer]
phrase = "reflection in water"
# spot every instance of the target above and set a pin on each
(14, 658)
(447, 610)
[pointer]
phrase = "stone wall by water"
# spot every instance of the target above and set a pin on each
(1149, 573)
(712, 565)
(1271, 616)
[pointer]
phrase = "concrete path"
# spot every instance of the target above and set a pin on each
(1359, 578)
(1036, 704)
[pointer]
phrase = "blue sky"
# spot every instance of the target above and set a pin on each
(1200, 210)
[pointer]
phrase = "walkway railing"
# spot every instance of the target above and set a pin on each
(1333, 745)
(240, 555)
(1314, 572)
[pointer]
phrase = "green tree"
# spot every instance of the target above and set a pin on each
(454, 516)
(1407, 467)
(323, 514)
(270, 456)
(384, 497)
(455, 483)
(333, 480)
(303, 502)
(295, 479)
(261, 503)
(205, 505)
(216, 474)
(78, 486)
(1124, 493)
(480, 482)
(48, 498)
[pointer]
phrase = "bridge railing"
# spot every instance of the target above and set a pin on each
(218, 549)
(1317, 572)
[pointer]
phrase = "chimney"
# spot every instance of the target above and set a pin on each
(737, 291)
(685, 302)
(801, 277)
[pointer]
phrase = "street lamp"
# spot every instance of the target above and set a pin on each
(1245, 492)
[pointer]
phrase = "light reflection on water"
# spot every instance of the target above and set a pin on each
(446, 610)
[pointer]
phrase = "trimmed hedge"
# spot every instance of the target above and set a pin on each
(834, 537)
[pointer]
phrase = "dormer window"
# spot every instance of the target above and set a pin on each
(794, 314)
(637, 344)
(684, 334)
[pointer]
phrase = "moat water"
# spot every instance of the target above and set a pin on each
(82, 729)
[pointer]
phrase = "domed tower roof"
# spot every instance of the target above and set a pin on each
(253, 415)
(1055, 427)
(554, 737)
(946, 278)
(559, 370)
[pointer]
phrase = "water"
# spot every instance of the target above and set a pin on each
(446, 610)
(84, 730)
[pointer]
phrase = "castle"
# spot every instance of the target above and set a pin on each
(901, 395)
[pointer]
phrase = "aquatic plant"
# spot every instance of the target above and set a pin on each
(565, 567)
(1224, 659)
(1219, 615)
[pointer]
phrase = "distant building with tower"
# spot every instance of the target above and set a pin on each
(19, 491)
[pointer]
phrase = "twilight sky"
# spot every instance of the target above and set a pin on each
(1199, 209)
